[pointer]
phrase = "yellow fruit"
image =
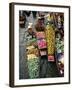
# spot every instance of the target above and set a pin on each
(50, 36)
(31, 56)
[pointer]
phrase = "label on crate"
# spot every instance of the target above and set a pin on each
(51, 58)
(42, 53)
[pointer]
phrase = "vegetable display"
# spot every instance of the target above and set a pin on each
(33, 67)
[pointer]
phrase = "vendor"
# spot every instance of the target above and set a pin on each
(31, 31)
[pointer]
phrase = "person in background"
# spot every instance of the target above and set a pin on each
(22, 19)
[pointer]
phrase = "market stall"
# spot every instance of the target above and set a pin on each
(45, 45)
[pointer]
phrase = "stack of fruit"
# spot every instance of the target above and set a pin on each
(50, 38)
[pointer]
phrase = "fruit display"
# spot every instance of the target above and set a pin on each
(50, 37)
(31, 56)
(33, 51)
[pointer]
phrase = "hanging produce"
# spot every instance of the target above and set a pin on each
(50, 37)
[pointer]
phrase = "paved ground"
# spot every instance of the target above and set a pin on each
(47, 69)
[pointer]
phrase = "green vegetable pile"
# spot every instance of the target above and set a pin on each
(59, 45)
(33, 68)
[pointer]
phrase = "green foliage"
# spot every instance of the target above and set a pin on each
(59, 45)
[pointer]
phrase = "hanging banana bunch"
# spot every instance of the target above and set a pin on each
(50, 34)
(50, 37)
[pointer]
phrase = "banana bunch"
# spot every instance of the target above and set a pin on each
(33, 51)
(31, 56)
(30, 47)
(50, 36)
